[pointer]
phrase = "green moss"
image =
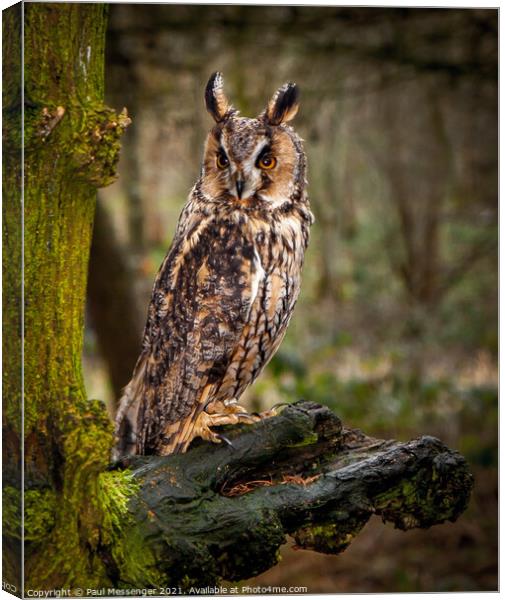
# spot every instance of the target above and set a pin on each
(309, 439)
(81, 515)
(137, 561)
(424, 499)
(97, 144)
(119, 531)
(40, 508)
(399, 497)
(57, 60)
(329, 538)
(83, 149)
(11, 512)
(11, 222)
(40, 514)
(114, 491)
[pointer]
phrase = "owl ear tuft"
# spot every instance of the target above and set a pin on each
(216, 101)
(284, 104)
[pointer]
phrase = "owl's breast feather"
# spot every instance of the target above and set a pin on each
(258, 275)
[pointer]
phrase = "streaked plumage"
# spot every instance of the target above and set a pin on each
(226, 290)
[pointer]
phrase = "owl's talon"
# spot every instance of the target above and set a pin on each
(271, 412)
(248, 417)
(279, 404)
(223, 438)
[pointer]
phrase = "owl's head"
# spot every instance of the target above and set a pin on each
(253, 161)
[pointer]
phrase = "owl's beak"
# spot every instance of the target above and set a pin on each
(239, 184)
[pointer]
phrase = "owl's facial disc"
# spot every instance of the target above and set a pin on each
(246, 160)
(241, 166)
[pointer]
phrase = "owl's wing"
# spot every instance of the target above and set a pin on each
(200, 305)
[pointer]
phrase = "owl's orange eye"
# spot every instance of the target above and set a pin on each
(266, 162)
(222, 160)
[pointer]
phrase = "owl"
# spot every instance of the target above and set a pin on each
(226, 290)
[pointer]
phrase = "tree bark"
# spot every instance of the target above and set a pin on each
(11, 296)
(71, 145)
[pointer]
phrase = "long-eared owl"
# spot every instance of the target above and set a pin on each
(226, 290)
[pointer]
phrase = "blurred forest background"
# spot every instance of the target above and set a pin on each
(396, 326)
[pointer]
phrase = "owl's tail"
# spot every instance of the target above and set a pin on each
(125, 430)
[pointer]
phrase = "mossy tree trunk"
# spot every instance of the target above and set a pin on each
(11, 297)
(71, 144)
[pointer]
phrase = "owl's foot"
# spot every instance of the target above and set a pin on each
(232, 408)
(224, 413)
(205, 421)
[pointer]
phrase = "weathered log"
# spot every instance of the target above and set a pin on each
(223, 511)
